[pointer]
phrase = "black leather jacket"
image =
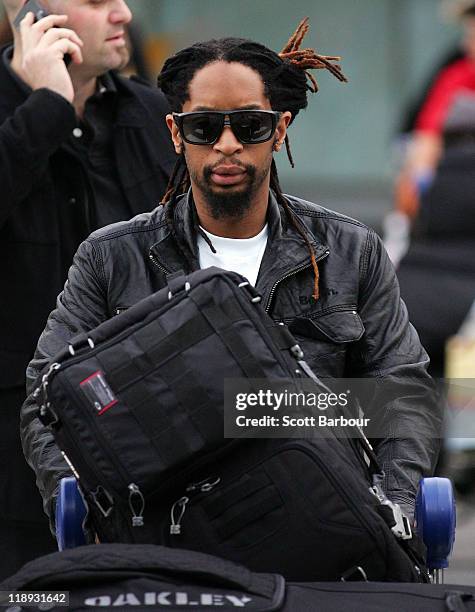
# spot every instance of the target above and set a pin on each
(358, 327)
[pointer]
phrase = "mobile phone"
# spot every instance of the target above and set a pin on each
(39, 11)
(32, 6)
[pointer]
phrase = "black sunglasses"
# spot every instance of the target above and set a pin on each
(206, 127)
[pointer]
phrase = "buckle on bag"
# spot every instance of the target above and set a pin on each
(401, 526)
(46, 413)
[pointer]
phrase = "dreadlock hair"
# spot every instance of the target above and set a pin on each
(287, 81)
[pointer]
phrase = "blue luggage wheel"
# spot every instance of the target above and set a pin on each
(70, 513)
(435, 520)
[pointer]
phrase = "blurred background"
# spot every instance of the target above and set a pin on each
(343, 143)
(363, 149)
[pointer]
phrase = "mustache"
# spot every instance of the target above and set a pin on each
(248, 168)
(226, 161)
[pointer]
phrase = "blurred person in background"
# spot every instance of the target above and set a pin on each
(426, 146)
(437, 275)
(80, 148)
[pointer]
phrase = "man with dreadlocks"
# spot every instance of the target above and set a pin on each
(325, 274)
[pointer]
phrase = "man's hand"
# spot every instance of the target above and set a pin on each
(44, 45)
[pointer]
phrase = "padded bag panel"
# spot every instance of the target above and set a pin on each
(298, 508)
(142, 396)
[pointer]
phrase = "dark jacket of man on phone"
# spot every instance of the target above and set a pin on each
(80, 148)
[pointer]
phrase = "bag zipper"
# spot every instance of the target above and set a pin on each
(137, 514)
(192, 491)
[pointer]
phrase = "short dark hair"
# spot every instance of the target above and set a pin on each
(469, 12)
(286, 85)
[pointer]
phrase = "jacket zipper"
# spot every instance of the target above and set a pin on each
(291, 273)
(162, 268)
(157, 263)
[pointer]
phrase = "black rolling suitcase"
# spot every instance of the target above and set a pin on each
(137, 408)
(143, 577)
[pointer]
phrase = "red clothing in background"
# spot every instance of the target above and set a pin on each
(457, 78)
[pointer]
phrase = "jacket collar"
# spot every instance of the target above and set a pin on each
(286, 252)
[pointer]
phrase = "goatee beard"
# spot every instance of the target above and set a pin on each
(232, 204)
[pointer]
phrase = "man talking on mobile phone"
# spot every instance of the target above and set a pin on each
(80, 148)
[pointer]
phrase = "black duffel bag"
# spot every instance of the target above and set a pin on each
(137, 408)
(145, 577)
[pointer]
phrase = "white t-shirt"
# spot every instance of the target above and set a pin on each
(242, 255)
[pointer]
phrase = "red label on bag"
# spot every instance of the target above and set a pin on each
(98, 392)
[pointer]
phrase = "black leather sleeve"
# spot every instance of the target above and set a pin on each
(80, 307)
(406, 405)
